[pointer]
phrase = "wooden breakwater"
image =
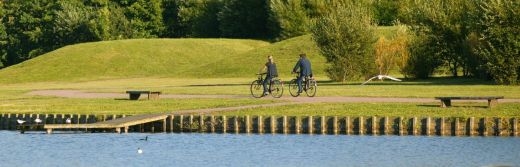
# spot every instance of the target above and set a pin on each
(428, 126)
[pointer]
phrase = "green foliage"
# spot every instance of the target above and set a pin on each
(145, 17)
(446, 25)
(290, 18)
(244, 19)
(345, 36)
(500, 36)
(386, 12)
(199, 18)
(28, 24)
(423, 60)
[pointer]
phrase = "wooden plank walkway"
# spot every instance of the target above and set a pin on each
(117, 124)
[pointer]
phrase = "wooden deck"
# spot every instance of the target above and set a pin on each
(120, 124)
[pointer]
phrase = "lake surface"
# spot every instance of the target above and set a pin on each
(193, 149)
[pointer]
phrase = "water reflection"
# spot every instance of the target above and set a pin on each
(171, 149)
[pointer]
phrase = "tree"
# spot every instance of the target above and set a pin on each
(27, 22)
(244, 19)
(345, 36)
(3, 37)
(499, 34)
(145, 17)
(289, 17)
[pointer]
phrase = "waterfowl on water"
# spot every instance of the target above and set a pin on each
(139, 151)
(145, 138)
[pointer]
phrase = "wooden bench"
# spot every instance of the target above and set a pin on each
(135, 94)
(492, 100)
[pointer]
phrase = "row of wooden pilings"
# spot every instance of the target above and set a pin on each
(296, 124)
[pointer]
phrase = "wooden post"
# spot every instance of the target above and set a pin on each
(260, 123)
(126, 129)
(400, 125)
(428, 126)
(298, 125)
(49, 131)
(224, 124)
(414, 126)
(172, 118)
(348, 128)
(515, 127)
(181, 123)
(191, 123)
(235, 125)
(273, 124)
(361, 126)
(441, 125)
(484, 128)
(212, 118)
(374, 125)
(201, 123)
(248, 124)
(285, 125)
(456, 127)
(311, 123)
(164, 126)
(385, 128)
(498, 127)
(471, 126)
(335, 124)
(323, 125)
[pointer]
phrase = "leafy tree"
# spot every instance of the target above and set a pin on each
(289, 17)
(345, 36)
(499, 34)
(244, 19)
(145, 17)
(199, 17)
(3, 37)
(447, 25)
(386, 11)
(71, 23)
(27, 22)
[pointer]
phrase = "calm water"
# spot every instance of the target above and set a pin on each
(171, 149)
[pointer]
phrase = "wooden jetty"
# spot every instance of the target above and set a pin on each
(119, 125)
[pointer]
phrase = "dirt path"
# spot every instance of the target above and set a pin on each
(301, 99)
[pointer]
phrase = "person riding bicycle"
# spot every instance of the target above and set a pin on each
(270, 71)
(305, 70)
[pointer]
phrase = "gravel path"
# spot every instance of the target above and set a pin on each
(301, 99)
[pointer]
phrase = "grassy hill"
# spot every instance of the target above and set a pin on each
(177, 58)
(173, 58)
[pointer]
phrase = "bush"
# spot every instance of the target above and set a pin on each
(345, 36)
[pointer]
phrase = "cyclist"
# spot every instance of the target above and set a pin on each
(270, 71)
(305, 70)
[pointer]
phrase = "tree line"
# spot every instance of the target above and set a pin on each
(466, 37)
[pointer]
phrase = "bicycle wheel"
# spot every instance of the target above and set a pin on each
(293, 88)
(276, 88)
(313, 86)
(257, 89)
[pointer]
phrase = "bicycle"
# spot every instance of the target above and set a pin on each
(309, 85)
(275, 87)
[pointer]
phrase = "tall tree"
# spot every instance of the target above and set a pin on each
(244, 19)
(26, 23)
(289, 17)
(3, 37)
(145, 17)
(345, 36)
(499, 34)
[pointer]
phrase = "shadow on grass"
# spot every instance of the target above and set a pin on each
(430, 81)
(459, 106)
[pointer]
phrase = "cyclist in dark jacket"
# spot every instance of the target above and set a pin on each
(305, 70)
(271, 72)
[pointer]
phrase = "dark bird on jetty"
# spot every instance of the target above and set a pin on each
(145, 138)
